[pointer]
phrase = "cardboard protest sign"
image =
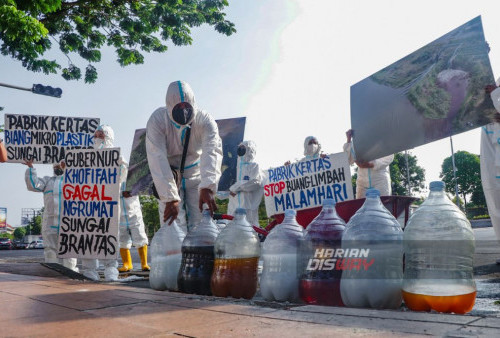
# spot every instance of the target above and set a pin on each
(305, 184)
(231, 131)
(45, 139)
(87, 200)
(433, 93)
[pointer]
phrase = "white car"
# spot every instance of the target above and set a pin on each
(38, 244)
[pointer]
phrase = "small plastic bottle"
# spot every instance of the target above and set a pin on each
(373, 252)
(237, 251)
(320, 279)
(166, 257)
(198, 256)
(279, 280)
(439, 248)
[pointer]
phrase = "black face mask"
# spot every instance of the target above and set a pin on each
(182, 113)
(241, 151)
(58, 171)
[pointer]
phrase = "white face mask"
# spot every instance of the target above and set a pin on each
(312, 149)
(98, 143)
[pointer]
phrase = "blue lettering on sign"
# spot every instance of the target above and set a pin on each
(309, 198)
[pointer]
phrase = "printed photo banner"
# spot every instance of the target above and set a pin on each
(45, 139)
(3, 218)
(433, 93)
(305, 184)
(87, 200)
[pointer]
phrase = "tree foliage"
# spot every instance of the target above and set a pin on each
(467, 173)
(20, 232)
(399, 177)
(30, 28)
(149, 206)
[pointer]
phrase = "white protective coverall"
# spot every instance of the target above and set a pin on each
(164, 146)
(311, 151)
(90, 266)
(490, 165)
(377, 177)
(50, 228)
(248, 186)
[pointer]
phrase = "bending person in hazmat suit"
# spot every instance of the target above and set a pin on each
(50, 218)
(168, 130)
(247, 191)
(103, 138)
(490, 161)
(372, 174)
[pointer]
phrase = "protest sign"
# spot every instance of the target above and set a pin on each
(139, 180)
(305, 184)
(433, 93)
(87, 200)
(45, 139)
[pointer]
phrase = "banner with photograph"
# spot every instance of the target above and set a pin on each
(3, 218)
(87, 199)
(45, 139)
(139, 180)
(305, 184)
(433, 93)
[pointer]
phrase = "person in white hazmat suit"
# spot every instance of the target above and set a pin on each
(50, 218)
(372, 174)
(247, 191)
(131, 229)
(167, 130)
(490, 161)
(104, 137)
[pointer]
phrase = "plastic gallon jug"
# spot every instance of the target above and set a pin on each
(237, 251)
(439, 249)
(320, 278)
(279, 280)
(372, 257)
(166, 257)
(198, 257)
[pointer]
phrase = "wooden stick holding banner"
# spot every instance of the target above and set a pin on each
(305, 184)
(87, 199)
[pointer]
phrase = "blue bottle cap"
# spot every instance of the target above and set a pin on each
(329, 202)
(437, 186)
(372, 192)
(290, 212)
(240, 211)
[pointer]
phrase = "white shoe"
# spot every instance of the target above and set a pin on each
(111, 274)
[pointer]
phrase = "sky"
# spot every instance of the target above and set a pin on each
(288, 69)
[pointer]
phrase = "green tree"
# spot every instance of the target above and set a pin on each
(399, 177)
(19, 233)
(467, 173)
(29, 28)
(149, 206)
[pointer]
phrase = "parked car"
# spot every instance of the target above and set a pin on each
(21, 245)
(5, 243)
(36, 244)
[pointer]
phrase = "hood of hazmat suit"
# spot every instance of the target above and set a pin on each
(109, 138)
(248, 186)
(165, 137)
(311, 150)
(490, 164)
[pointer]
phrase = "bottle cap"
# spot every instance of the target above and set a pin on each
(329, 202)
(290, 212)
(437, 186)
(240, 211)
(372, 192)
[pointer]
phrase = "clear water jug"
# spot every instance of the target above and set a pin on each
(320, 278)
(237, 251)
(198, 256)
(279, 280)
(439, 249)
(166, 257)
(372, 257)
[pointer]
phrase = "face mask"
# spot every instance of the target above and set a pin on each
(58, 171)
(241, 151)
(312, 149)
(182, 113)
(98, 143)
